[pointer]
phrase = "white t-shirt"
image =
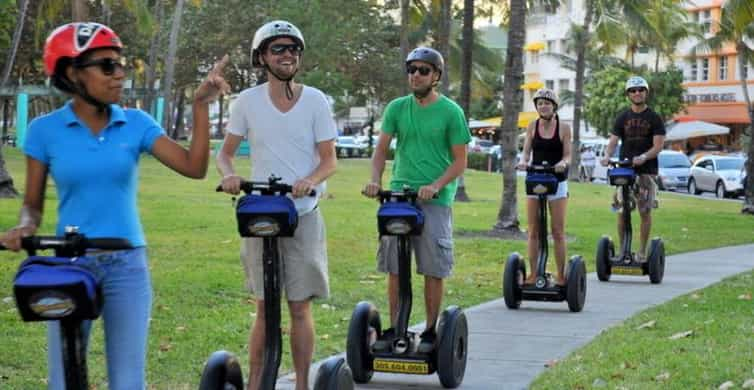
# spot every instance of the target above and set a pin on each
(588, 158)
(283, 144)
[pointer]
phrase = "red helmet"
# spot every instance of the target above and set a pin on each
(72, 39)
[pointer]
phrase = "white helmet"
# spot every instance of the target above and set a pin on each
(636, 82)
(547, 94)
(269, 31)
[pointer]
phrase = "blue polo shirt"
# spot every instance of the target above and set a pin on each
(96, 176)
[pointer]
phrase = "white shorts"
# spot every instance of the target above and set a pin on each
(560, 194)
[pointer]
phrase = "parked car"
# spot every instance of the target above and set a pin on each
(347, 146)
(600, 172)
(674, 170)
(718, 174)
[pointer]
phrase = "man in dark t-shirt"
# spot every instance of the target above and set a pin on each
(642, 134)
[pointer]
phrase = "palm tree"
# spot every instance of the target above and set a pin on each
(170, 64)
(466, 62)
(736, 26)
(670, 25)
(405, 6)
(443, 43)
(507, 216)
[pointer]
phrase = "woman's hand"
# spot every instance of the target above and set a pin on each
(214, 85)
(12, 238)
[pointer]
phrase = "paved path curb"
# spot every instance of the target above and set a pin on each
(509, 348)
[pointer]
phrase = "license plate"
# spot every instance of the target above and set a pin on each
(402, 366)
(627, 270)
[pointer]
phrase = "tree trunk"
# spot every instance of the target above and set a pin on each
(79, 11)
(444, 43)
(466, 59)
(578, 98)
(153, 47)
(404, 38)
(507, 216)
(748, 207)
(175, 29)
(20, 21)
(466, 63)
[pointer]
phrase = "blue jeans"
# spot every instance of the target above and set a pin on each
(127, 293)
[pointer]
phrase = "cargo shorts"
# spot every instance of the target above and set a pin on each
(433, 249)
(303, 270)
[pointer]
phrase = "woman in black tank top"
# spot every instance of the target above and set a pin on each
(547, 140)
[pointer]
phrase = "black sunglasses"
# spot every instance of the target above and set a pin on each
(635, 90)
(423, 70)
(108, 66)
(279, 48)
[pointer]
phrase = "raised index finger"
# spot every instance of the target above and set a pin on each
(220, 65)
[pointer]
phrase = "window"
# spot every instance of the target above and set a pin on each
(563, 85)
(550, 84)
(551, 46)
(745, 71)
(705, 19)
(705, 69)
(564, 46)
(693, 71)
(723, 71)
(534, 57)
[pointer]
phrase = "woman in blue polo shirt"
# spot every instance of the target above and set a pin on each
(91, 148)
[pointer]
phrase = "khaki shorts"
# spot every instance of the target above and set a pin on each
(433, 249)
(303, 270)
(644, 191)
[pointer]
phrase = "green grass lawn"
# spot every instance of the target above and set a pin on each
(200, 304)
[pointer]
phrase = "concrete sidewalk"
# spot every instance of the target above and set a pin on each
(509, 348)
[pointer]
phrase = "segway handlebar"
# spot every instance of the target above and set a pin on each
(73, 243)
(544, 168)
(407, 195)
(270, 187)
(624, 163)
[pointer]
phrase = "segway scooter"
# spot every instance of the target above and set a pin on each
(269, 214)
(58, 288)
(621, 174)
(368, 349)
(541, 181)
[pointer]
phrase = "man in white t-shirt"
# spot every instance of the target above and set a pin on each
(588, 161)
(291, 134)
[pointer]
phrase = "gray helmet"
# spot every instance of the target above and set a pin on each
(270, 31)
(428, 55)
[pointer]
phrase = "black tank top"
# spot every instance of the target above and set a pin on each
(548, 149)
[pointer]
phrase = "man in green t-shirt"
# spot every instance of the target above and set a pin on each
(431, 136)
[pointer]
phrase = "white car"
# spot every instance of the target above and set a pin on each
(674, 170)
(718, 174)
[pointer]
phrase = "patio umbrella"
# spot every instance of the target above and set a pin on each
(683, 130)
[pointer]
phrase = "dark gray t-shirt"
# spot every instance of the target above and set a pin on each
(636, 132)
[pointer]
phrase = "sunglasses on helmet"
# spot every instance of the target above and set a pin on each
(279, 48)
(423, 70)
(108, 66)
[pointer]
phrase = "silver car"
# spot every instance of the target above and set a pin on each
(674, 170)
(718, 174)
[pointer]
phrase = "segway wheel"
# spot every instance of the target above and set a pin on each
(656, 261)
(334, 374)
(576, 284)
(605, 251)
(452, 350)
(515, 272)
(363, 330)
(222, 372)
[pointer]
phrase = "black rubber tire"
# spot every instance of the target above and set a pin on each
(334, 374)
(656, 261)
(693, 189)
(720, 192)
(605, 251)
(358, 350)
(514, 270)
(452, 351)
(576, 284)
(222, 372)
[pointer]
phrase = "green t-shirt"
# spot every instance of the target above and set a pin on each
(424, 140)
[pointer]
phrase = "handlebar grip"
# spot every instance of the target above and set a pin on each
(108, 243)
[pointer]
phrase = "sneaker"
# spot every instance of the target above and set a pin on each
(427, 341)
